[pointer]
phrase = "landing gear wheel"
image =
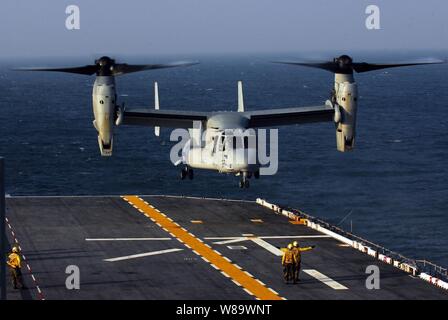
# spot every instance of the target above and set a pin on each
(183, 174)
(257, 174)
(186, 172)
(244, 182)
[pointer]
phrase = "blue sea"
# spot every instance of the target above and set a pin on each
(392, 190)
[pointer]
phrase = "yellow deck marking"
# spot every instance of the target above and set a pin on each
(248, 283)
(197, 221)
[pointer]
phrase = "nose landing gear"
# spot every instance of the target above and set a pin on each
(244, 182)
(186, 172)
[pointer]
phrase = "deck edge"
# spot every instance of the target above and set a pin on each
(358, 245)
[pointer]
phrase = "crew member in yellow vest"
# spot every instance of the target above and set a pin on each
(288, 264)
(297, 253)
(15, 265)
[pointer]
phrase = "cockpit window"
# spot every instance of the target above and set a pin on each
(222, 145)
(231, 142)
(239, 142)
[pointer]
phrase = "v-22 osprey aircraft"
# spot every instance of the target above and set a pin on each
(221, 150)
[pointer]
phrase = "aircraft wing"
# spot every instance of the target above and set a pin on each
(289, 116)
(163, 118)
(260, 118)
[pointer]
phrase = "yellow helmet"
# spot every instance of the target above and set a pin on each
(295, 244)
(15, 249)
(290, 246)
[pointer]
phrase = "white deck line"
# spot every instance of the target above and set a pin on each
(324, 279)
(146, 254)
(268, 246)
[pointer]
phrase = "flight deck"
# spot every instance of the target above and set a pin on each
(163, 247)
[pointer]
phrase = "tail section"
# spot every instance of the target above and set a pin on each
(156, 106)
(240, 97)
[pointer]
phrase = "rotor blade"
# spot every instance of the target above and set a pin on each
(329, 66)
(87, 70)
(365, 67)
(124, 68)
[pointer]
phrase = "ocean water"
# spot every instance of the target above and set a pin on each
(394, 186)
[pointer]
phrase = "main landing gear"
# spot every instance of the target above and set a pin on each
(244, 183)
(186, 172)
(245, 176)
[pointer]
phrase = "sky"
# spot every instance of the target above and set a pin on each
(36, 28)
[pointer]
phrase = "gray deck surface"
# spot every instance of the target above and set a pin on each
(52, 232)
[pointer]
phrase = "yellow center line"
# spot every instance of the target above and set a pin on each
(227, 268)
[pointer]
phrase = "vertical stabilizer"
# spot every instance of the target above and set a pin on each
(240, 97)
(156, 106)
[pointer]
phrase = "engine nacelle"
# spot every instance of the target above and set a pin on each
(345, 115)
(105, 112)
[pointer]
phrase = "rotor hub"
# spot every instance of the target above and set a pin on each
(344, 64)
(105, 66)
